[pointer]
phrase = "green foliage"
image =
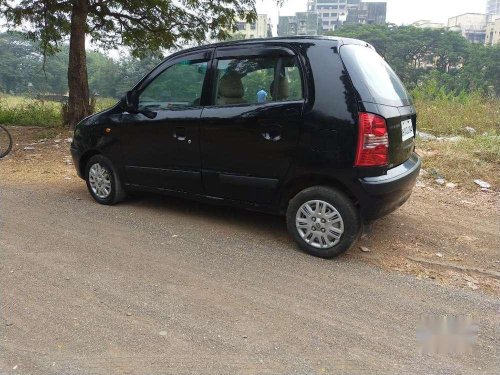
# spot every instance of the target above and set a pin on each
(255, 81)
(103, 103)
(437, 88)
(145, 26)
(29, 113)
(295, 86)
(448, 116)
(18, 110)
(471, 155)
(180, 84)
(464, 160)
(21, 62)
(433, 57)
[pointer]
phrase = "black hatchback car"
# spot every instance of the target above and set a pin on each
(320, 129)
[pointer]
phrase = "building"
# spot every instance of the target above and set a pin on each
(335, 13)
(367, 13)
(472, 26)
(332, 12)
(326, 15)
(307, 23)
(426, 24)
(493, 7)
(261, 28)
(287, 26)
(493, 33)
(303, 23)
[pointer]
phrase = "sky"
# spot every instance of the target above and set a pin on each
(398, 11)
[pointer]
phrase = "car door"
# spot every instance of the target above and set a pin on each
(251, 128)
(163, 152)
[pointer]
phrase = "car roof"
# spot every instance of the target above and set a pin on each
(287, 39)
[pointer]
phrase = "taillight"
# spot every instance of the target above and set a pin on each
(373, 141)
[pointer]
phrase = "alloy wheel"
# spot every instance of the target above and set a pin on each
(319, 224)
(100, 180)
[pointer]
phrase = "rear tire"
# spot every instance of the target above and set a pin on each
(103, 182)
(323, 221)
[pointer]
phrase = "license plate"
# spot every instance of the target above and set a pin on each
(407, 130)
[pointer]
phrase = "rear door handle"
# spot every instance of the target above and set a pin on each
(180, 133)
(272, 133)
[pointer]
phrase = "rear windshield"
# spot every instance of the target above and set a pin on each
(368, 69)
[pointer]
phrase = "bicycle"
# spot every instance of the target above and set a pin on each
(5, 142)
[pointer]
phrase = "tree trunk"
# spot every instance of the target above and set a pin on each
(79, 98)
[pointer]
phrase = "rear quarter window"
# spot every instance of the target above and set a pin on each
(372, 77)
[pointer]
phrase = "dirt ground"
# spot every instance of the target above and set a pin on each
(158, 285)
(448, 235)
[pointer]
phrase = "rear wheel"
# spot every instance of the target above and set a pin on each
(103, 181)
(323, 221)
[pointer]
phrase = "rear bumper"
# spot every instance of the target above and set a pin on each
(382, 195)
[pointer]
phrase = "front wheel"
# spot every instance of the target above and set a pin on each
(5, 142)
(103, 181)
(323, 221)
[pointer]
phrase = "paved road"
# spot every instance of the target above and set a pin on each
(164, 286)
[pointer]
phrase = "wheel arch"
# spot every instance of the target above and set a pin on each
(296, 185)
(84, 159)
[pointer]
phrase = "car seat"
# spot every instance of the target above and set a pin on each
(230, 89)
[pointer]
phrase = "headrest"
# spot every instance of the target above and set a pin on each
(230, 86)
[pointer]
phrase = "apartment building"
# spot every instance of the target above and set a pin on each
(493, 7)
(333, 13)
(367, 13)
(261, 28)
(302, 23)
(493, 33)
(472, 26)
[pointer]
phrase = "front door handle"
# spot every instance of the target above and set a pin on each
(180, 133)
(272, 133)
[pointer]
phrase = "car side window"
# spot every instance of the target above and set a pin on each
(180, 85)
(292, 72)
(252, 80)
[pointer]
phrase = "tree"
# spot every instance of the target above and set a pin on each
(21, 62)
(13, 52)
(145, 26)
(439, 59)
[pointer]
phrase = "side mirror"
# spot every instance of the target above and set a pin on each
(131, 104)
(132, 101)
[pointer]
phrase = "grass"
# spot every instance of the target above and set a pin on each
(444, 117)
(29, 112)
(104, 103)
(22, 111)
(470, 157)
(464, 161)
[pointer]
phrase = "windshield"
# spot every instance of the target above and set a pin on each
(366, 67)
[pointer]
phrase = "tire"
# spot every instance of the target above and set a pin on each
(4, 133)
(109, 179)
(336, 221)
